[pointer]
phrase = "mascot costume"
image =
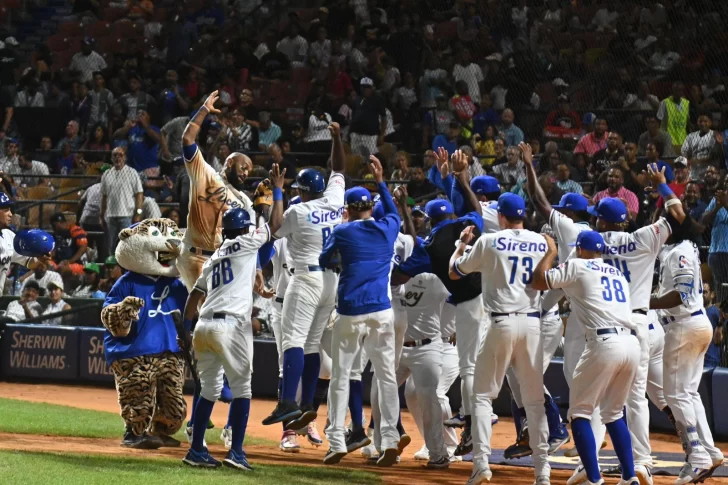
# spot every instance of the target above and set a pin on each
(141, 339)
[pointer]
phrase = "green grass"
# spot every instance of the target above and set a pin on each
(51, 419)
(68, 469)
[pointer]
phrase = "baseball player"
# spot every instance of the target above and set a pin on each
(223, 337)
(600, 298)
(506, 259)
(364, 248)
(634, 254)
(310, 296)
(688, 334)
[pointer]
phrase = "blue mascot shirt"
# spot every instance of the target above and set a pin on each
(154, 332)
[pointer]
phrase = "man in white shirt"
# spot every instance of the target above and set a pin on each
(27, 166)
(293, 46)
(121, 197)
(471, 73)
(41, 276)
(87, 61)
(27, 306)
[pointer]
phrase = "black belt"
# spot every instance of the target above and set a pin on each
(640, 311)
(531, 314)
(670, 319)
(218, 316)
(417, 343)
(604, 331)
(311, 269)
(279, 299)
(202, 252)
(545, 313)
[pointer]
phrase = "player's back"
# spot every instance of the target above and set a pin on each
(634, 254)
(566, 231)
(598, 292)
(402, 250)
(510, 256)
(424, 298)
(490, 216)
(680, 271)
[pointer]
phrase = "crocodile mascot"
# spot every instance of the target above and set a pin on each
(140, 342)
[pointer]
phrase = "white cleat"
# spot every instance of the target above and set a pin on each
(542, 480)
(226, 436)
(691, 474)
(631, 481)
(423, 454)
(289, 442)
(369, 451)
(493, 419)
(644, 475)
(480, 475)
(188, 435)
(579, 478)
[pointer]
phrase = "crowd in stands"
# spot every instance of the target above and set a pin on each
(599, 88)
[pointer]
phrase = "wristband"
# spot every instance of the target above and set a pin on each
(664, 191)
(205, 108)
(672, 202)
(277, 194)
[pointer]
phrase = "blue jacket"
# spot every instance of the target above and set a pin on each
(365, 248)
(154, 332)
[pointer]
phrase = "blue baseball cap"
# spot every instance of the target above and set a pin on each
(573, 202)
(610, 210)
(438, 207)
(589, 240)
(484, 184)
(511, 205)
(357, 194)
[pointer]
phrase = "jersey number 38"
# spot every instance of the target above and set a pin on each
(615, 285)
(222, 272)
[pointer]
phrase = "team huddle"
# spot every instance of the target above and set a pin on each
(478, 298)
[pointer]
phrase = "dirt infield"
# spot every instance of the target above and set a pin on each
(408, 471)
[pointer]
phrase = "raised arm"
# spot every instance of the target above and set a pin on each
(375, 167)
(539, 274)
(277, 178)
(193, 126)
(462, 175)
(672, 204)
(466, 237)
(338, 156)
(408, 224)
(535, 192)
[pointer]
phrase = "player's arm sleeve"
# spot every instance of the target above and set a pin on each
(335, 189)
(683, 279)
(561, 276)
(455, 194)
(419, 262)
(289, 224)
(563, 227)
(253, 241)
(475, 219)
(201, 283)
(265, 253)
(654, 235)
(435, 177)
(328, 253)
(472, 261)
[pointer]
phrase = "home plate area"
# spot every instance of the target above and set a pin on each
(664, 463)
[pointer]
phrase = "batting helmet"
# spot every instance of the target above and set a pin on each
(310, 180)
(33, 242)
(5, 201)
(236, 219)
(294, 200)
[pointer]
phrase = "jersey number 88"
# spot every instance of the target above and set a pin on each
(222, 271)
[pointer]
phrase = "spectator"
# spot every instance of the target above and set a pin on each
(101, 101)
(143, 140)
(171, 138)
(71, 244)
(486, 115)
(510, 133)
(44, 153)
(693, 203)
(121, 198)
(605, 19)
(564, 182)
(391, 77)
(173, 215)
(72, 138)
(30, 96)
(644, 101)
(87, 62)
(563, 120)
(674, 114)
(113, 272)
(173, 99)
(150, 209)
(320, 53)
(419, 186)
(594, 141)
(56, 305)
(712, 355)
(277, 156)
(318, 136)
(616, 189)
(268, 133)
(250, 111)
(655, 135)
(369, 123)
(663, 60)
(611, 153)
(653, 157)
(439, 120)
(89, 287)
(499, 155)
(678, 185)
(716, 214)
(240, 135)
(10, 159)
(420, 221)
(513, 170)
(135, 100)
(470, 72)
(484, 145)
(41, 276)
(98, 141)
(700, 148)
(30, 172)
(27, 306)
(401, 166)
(293, 46)
(433, 82)
(464, 108)
(710, 184)
(66, 162)
(449, 142)
(474, 167)
(88, 213)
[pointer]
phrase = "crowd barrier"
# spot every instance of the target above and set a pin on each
(75, 355)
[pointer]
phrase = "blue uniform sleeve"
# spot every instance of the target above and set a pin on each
(265, 253)
(458, 199)
(326, 258)
(118, 292)
(473, 218)
(418, 263)
(386, 199)
(435, 177)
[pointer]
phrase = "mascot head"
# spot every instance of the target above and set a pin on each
(150, 247)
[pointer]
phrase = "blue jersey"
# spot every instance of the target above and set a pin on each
(365, 249)
(154, 332)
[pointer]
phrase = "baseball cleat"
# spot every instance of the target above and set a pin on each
(717, 462)
(389, 457)
(404, 441)
(578, 476)
(457, 421)
(333, 457)
(376, 456)
(369, 451)
(690, 474)
(631, 481)
(143, 442)
(200, 459)
(480, 475)
(188, 435)
(542, 480)
(466, 443)
(493, 419)
(556, 443)
(644, 475)
(284, 411)
(423, 454)
(169, 442)
(238, 461)
(356, 440)
(520, 448)
(289, 443)
(439, 463)
(226, 436)
(303, 420)
(614, 471)
(312, 434)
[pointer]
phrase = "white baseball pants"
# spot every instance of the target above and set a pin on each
(325, 352)
(310, 298)
(424, 365)
(377, 332)
(400, 327)
(224, 346)
(516, 341)
(449, 373)
(471, 325)
(604, 375)
(686, 342)
(655, 392)
(275, 324)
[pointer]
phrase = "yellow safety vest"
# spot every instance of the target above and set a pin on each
(677, 119)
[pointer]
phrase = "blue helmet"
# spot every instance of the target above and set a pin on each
(294, 200)
(236, 218)
(5, 201)
(310, 180)
(33, 243)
